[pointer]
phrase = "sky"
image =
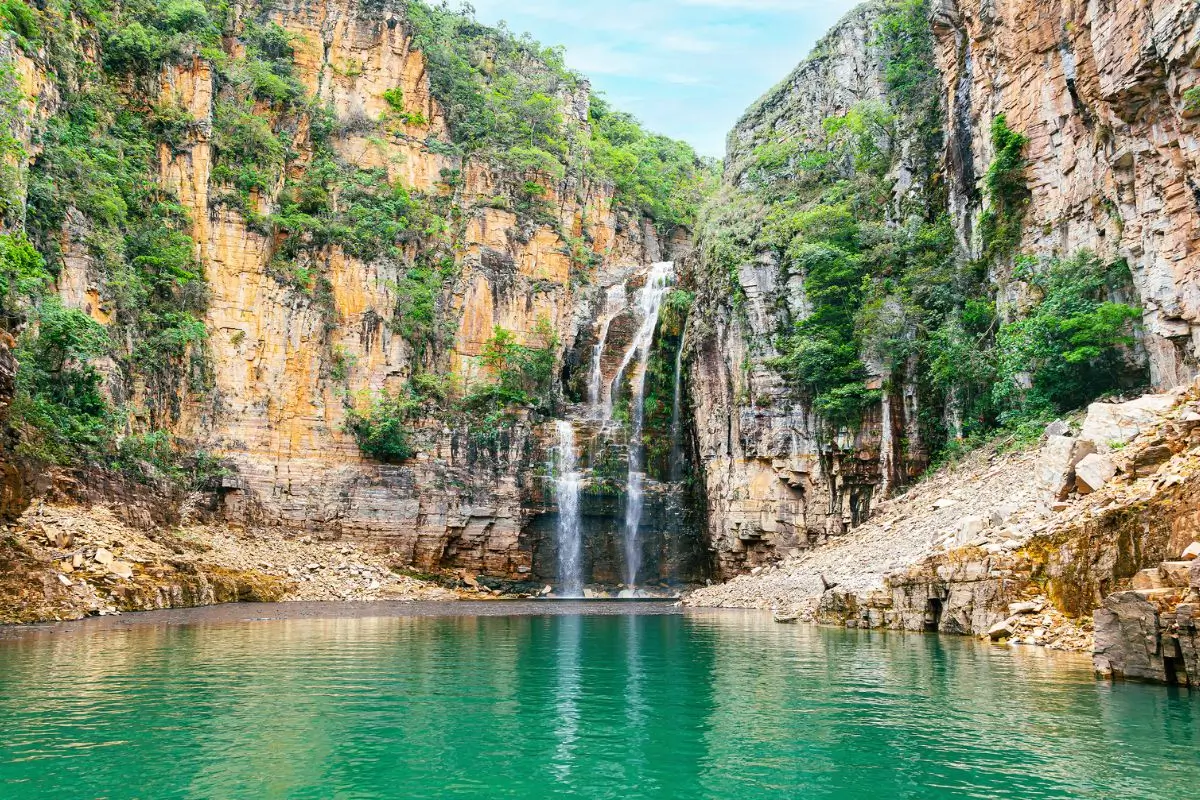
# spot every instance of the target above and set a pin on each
(685, 68)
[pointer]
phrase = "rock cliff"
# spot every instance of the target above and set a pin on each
(275, 142)
(1101, 102)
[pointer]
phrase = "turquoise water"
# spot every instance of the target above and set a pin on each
(703, 705)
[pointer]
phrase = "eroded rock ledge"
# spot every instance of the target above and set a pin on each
(1018, 547)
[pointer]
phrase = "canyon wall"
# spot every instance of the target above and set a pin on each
(1101, 90)
(1107, 94)
(288, 360)
(773, 486)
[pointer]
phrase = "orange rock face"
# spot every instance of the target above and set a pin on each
(287, 365)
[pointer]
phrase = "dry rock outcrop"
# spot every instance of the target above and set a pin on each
(922, 563)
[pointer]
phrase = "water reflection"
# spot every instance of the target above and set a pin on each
(567, 697)
(721, 705)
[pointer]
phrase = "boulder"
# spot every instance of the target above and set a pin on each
(122, 569)
(1194, 574)
(1176, 573)
(1109, 424)
(1028, 607)
(1058, 428)
(969, 529)
(1093, 472)
(103, 556)
(1148, 460)
(1003, 630)
(1056, 464)
(1191, 552)
(1149, 579)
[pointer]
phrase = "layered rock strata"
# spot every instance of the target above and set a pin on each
(1107, 95)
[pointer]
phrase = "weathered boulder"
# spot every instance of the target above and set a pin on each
(1058, 428)
(1003, 629)
(1175, 573)
(1056, 463)
(969, 529)
(1191, 553)
(1093, 472)
(1127, 639)
(1150, 578)
(1110, 424)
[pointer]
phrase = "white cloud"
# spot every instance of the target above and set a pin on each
(794, 6)
(686, 68)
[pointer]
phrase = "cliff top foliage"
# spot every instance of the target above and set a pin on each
(512, 100)
(888, 298)
(141, 352)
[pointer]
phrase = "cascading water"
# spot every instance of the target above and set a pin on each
(570, 534)
(614, 301)
(649, 302)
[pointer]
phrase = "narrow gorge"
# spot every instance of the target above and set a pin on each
(378, 289)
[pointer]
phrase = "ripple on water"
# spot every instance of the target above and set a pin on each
(721, 705)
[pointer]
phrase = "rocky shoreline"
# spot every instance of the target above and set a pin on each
(1023, 547)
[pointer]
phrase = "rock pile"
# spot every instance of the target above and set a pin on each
(963, 548)
(65, 562)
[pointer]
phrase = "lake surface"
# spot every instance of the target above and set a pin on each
(654, 704)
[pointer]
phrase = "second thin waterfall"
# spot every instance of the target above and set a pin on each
(649, 300)
(570, 533)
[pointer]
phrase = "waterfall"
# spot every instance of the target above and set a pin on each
(570, 536)
(614, 301)
(649, 302)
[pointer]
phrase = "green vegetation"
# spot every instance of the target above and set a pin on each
(1005, 191)
(1191, 99)
(1071, 344)
(519, 375)
(910, 68)
(661, 177)
(153, 34)
(22, 21)
(58, 405)
(12, 150)
(381, 429)
(22, 275)
(500, 95)
(888, 299)
(94, 184)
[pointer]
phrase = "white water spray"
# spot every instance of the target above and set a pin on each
(570, 534)
(614, 301)
(649, 302)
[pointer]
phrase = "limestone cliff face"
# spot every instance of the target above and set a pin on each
(1101, 89)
